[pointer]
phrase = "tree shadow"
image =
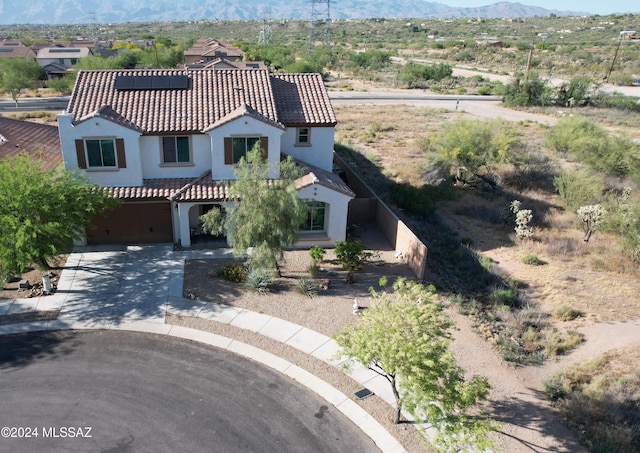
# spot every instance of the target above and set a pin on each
(21, 349)
(535, 416)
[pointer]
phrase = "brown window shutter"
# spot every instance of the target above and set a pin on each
(264, 148)
(228, 151)
(122, 159)
(82, 160)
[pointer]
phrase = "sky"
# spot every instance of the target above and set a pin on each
(591, 6)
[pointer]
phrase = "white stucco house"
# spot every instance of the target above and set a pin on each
(165, 141)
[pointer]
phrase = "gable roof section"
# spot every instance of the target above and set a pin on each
(244, 110)
(107, 113)
(38, 140)
(315, 175)
(211, 95)
(302, 100)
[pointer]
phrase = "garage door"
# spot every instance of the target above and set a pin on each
(133, 223)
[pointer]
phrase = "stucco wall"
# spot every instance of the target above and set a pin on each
(243, 126)
(151, 154)
(100, 128)
(319, 153)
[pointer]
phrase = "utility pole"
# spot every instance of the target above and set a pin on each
(615, 55)
(526, 75)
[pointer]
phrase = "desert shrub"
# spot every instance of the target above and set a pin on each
(259, 280)
(566, 313)
(307, 287)
(466, 241)
(314, 269)
(587, 142)
(556, 344)
(600, 400)
(563, 247)
(578, 188)
(414, 74)
(317, 253)
(235, 273)
(532, 260)
(352, 256)
(505, 296)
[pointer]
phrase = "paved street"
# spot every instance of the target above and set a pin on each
(144, 392)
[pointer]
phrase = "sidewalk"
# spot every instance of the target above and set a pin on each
(133, 288)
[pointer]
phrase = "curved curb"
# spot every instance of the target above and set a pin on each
(358, 416)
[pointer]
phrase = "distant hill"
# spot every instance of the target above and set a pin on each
(120, 11)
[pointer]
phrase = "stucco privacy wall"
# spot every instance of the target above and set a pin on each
(369, 207)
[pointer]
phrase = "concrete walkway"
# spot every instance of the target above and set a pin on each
(133, 288)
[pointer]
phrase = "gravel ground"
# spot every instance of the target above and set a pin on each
(327, 313)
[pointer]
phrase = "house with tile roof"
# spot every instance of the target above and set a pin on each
(41, 141)
(165, 143)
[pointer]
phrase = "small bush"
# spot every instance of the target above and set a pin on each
(314, 270)
(259, 280)
(317, 253)
(509, 296)
(307, 287)
(532, 260)
(566, 313)
(235, 273)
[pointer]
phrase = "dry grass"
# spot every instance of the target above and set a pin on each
(600, 399)
(595, 278)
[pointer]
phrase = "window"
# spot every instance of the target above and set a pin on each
(175, 150)
(241, 145)
(101, 153)
(303, 136)
(315, 217)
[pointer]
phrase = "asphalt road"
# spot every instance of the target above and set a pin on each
(134, 392)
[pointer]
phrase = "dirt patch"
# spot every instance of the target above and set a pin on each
(33, 276)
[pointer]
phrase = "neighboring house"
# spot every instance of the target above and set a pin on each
(15, 49)
(223, 63)
(165, 141)
(57, 60)
(205, 50)
(38, 140)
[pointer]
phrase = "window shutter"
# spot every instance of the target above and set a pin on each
(264, 148)
(82, 160)
(228, 151)
(122, 160)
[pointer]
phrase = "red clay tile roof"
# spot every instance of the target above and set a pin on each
(296, 99)
(302, 99)
(151, 188)
(108, 113)
(315, 175)
(39, 140)
(203, 188)
(244, 110)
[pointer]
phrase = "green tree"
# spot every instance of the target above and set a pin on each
(352, 256)
(470, 144)
(42, 212)
(404, 337)
(18, 74)
(268, 213)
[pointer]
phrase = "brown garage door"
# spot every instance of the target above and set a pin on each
(133, 223)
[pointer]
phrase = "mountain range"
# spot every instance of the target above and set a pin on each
(119, 11)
